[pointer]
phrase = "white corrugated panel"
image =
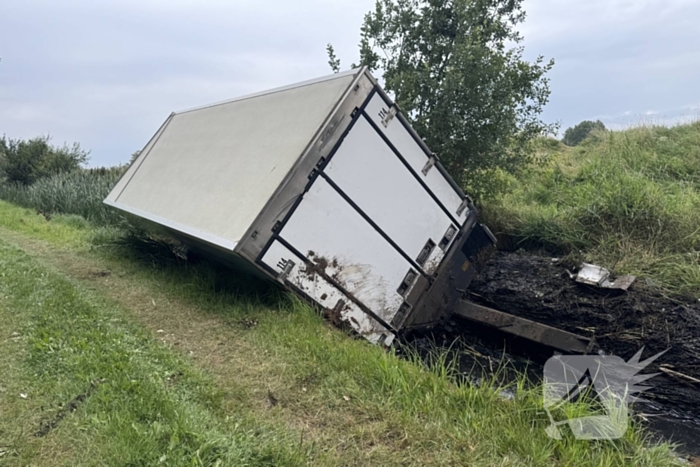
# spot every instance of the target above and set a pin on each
(212, 169)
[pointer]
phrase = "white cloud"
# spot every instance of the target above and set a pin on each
(108, 73)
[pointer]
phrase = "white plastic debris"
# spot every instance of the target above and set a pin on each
(598, 276)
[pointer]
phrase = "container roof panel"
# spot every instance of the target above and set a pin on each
(211, 170)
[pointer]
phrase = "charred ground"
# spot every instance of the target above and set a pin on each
(539, 287)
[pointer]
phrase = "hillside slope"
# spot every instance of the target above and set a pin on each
(627, 200)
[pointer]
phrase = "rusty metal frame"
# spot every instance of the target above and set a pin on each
(521, 327)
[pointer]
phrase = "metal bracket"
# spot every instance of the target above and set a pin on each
(451, 231)
(462, 207)
(425, 252)
(429, 165)
(400, 315)
(389, 116)
(407, 282)
(525, 328)
(286, 265)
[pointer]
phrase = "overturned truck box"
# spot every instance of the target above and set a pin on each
(322, 186)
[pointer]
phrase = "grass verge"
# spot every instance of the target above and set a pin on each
(91, 387)
(195, 364)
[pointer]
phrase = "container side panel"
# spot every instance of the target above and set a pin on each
(337, 239)
(338, 307)
(399, 136)
(369, 172)
(215, 168)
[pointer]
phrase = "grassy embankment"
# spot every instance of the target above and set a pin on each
(114, 360)
(627, 200)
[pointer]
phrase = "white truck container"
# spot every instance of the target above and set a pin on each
(322, 186)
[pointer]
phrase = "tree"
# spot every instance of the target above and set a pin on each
(333, 61)
(575, 135)
(26, 161)
(456, 69)
(135, 155)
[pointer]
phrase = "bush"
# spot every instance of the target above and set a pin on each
(576, 134)
(26, 161)
(78, 192)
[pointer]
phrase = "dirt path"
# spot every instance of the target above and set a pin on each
(243, 370)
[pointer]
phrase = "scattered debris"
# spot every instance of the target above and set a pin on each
(174, 377)
(679, 375)
(271, 399)
(248, 323)
(524, 328)
(598, 276)
(23, 396)
(72, 406)
(620, 323)
(346, 398)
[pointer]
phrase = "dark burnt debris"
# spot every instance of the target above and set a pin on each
(46, 427)
(539, 289)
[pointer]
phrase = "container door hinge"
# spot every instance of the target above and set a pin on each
(387, 117)
(286, 265)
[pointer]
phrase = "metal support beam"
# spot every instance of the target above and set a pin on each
(521, 327)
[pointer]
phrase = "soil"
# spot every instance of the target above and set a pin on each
(540, 288)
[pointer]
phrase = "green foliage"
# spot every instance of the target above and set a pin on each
(78, 192)
(26, 161)
(456, 68)
(333, 61)
(576, 134)
(627, 200)
(135, 155)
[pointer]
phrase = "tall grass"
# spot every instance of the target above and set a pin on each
(630, 200)
(79, 193)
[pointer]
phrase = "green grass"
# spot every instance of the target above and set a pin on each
(627, 200)
(201, 399)
(143, 404)
(78, 193)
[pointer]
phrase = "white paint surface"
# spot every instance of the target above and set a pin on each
(369, 172)
(416, 157)
(213, 169)
(325, 294)
(327, 229)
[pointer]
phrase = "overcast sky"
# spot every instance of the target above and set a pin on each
(106, 74)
